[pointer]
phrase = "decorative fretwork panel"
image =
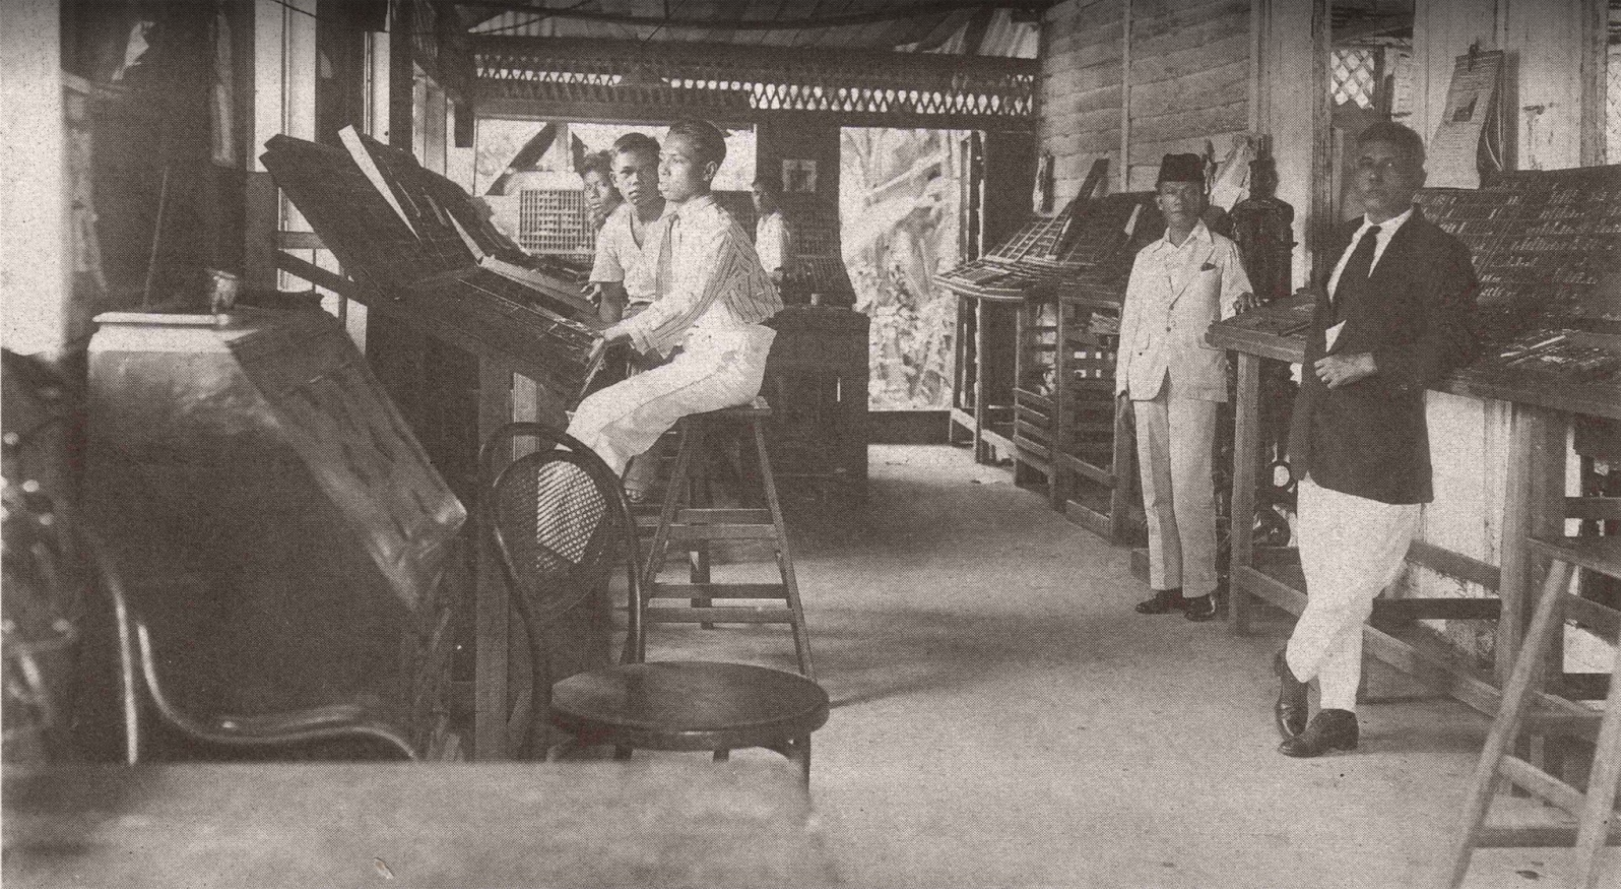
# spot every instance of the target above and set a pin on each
(1353, 76)
(915, 88)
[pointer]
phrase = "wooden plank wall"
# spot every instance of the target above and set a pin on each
(1189, 80)
(1081, 74)
(1184, 76)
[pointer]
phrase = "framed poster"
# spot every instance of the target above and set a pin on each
(798, 176)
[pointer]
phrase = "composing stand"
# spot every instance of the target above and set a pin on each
(415, 247)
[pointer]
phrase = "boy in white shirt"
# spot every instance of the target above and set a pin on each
(621, 275)
(771, 236)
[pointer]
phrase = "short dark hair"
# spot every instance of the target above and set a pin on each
(598, 162)
(706, 138)
(768, 184)
(1409, 143)
(637, 143)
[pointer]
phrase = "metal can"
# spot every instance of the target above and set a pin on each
(222, 290)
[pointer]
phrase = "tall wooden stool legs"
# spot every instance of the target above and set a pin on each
(692, 527)
(1597, 821)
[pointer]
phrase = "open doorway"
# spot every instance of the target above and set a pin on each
(900, 210)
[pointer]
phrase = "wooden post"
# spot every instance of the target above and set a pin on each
(1320, 211)
(1058, 419)
(982, 451)
(1123, 463)
(1533, 503)
(1246, 451)
(492, 623)
(1125, 96)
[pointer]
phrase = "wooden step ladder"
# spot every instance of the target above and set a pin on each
(688, 521)
(1597, 822)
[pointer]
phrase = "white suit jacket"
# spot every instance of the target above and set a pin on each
(1173, 296)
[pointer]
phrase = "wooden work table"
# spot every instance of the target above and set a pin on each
(664, 823)
(1534, 503)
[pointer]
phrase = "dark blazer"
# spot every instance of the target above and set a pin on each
(1370, 439)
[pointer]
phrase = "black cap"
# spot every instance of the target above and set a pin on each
(1181, 168)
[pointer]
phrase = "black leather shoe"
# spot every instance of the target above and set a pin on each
(1199, 608)
(1164, 602)
(1329, 730)
(1290, 711)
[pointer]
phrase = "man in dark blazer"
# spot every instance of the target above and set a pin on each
(1392, 316)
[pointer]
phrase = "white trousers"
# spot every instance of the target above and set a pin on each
(1179, 492)
(713, 369)
(1351, 548)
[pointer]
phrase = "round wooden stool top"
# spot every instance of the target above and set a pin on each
(689, 705)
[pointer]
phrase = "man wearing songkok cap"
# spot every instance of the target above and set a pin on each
(1172, 381)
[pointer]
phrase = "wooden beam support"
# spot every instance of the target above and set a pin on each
(812, 22)
(492, 612)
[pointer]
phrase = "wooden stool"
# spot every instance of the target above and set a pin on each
(1595, 809)
(692, 528)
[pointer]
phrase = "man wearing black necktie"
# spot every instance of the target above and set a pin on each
(1393, 316)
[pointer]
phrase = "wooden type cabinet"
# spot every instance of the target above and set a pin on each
(1534, 503)
(816, 382)
(1066, 425)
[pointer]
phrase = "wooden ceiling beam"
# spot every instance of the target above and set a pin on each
(815, 21)
(1357, 29)
(552, 51)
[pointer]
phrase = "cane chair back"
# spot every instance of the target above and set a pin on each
(500, 446)
(559, 523)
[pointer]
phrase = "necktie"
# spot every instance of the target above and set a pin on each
(1356, 271)
(661, 279)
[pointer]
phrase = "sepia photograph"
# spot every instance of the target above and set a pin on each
(883, 444)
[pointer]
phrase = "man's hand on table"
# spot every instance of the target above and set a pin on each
(612, 334)
(1343, 370)
(608, 297)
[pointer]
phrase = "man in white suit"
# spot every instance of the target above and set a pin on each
(1173, 382)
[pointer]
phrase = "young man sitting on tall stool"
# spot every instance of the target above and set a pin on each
(712, 297)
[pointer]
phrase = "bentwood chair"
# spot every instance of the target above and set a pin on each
(45, 548)
(496, 451)
(559, 521)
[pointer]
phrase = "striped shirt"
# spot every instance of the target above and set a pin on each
(709, 278)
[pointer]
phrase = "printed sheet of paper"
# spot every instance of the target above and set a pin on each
(1455, 149)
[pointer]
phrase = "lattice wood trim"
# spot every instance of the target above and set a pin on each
(906, 88)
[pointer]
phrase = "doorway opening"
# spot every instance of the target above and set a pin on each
(900, 208)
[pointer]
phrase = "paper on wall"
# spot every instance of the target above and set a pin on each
(1454, 152)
